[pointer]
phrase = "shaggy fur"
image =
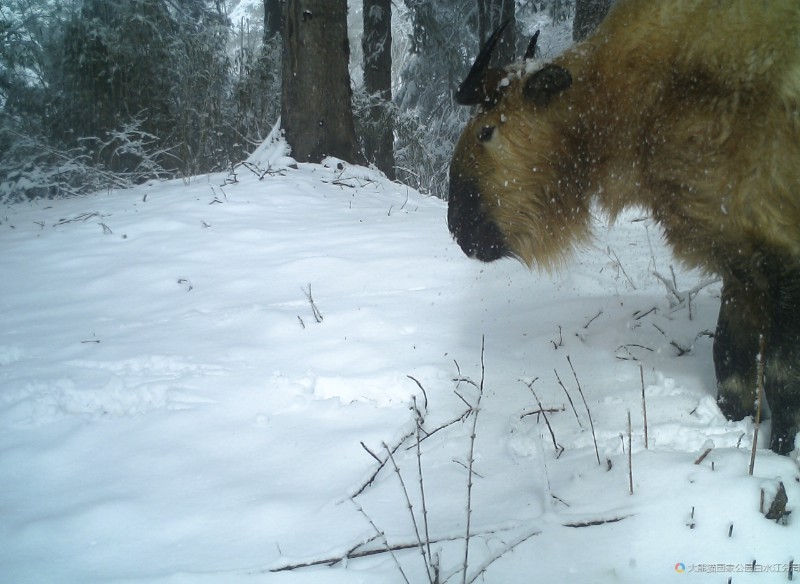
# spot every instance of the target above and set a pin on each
(687, 108)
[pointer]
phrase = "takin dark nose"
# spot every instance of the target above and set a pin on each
(476, 233)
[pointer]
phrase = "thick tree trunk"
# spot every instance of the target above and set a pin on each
(491, 14)
(588, 14)
(272, 19)
(316, 110)
(377, 47)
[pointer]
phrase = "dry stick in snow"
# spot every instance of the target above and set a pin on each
(594, 318)
(588, 412)
(314, 309)
(471, 459)
(558, 448)
(702, 457)
(499, 554)
(644, 406)
(610, 252)
(381, 463)
(683, 297)
(420, 545)
(422, 389)
(354, 553)
(432, 567)
(630, 454)
(460, 418)
(568, 397)
(385, 542)
(760, 376)
(539, 412)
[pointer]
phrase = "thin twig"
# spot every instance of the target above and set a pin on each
(760, 380)
(595, 522)
(372, 454)
(81, 217)
(471, 458)
(540, 411)
(588, 412)
(410, 507)
(422, 389)
(317, 314)
(702, 457)
(354, 553)
(499, 554)
(560, 339)
(464, 415)
(381, 464)
(594, 318)
(620, 266)
(644, 406)
(385, 542)
(630, 454)
(556, 446)
(569, 397)
(683, 298)
(417, 423)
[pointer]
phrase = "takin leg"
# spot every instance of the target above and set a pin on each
(767, 304)
(783, 359)
(743, 316)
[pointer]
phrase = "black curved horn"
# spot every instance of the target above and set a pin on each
(530, 52)
(473, 90)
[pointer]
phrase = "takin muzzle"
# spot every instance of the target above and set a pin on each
(474, 231)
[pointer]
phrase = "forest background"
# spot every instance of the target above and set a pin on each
(104, 94)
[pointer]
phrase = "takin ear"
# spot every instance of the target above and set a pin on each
(545, 84)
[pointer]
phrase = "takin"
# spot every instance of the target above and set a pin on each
(689, 109)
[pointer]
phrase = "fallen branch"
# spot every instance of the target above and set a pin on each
(83, 217)
(702, 457)
(541, 411)
(596, 522)
(354, 553)
(361, 551)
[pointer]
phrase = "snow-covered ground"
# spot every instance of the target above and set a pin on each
(173, 409)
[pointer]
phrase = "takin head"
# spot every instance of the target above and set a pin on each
(516, 188)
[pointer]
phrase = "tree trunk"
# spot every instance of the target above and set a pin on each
(588, 14)
(272, 19)
(316, 110)
(491, 14)
(377, 47)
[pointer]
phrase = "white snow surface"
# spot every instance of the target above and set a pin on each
(171, 410)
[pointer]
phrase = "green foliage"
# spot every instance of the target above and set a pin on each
(111, 92)
(159, 62)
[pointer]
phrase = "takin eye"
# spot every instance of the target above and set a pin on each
(486, 134)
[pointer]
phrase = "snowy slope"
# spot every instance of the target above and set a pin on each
(172, 411)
